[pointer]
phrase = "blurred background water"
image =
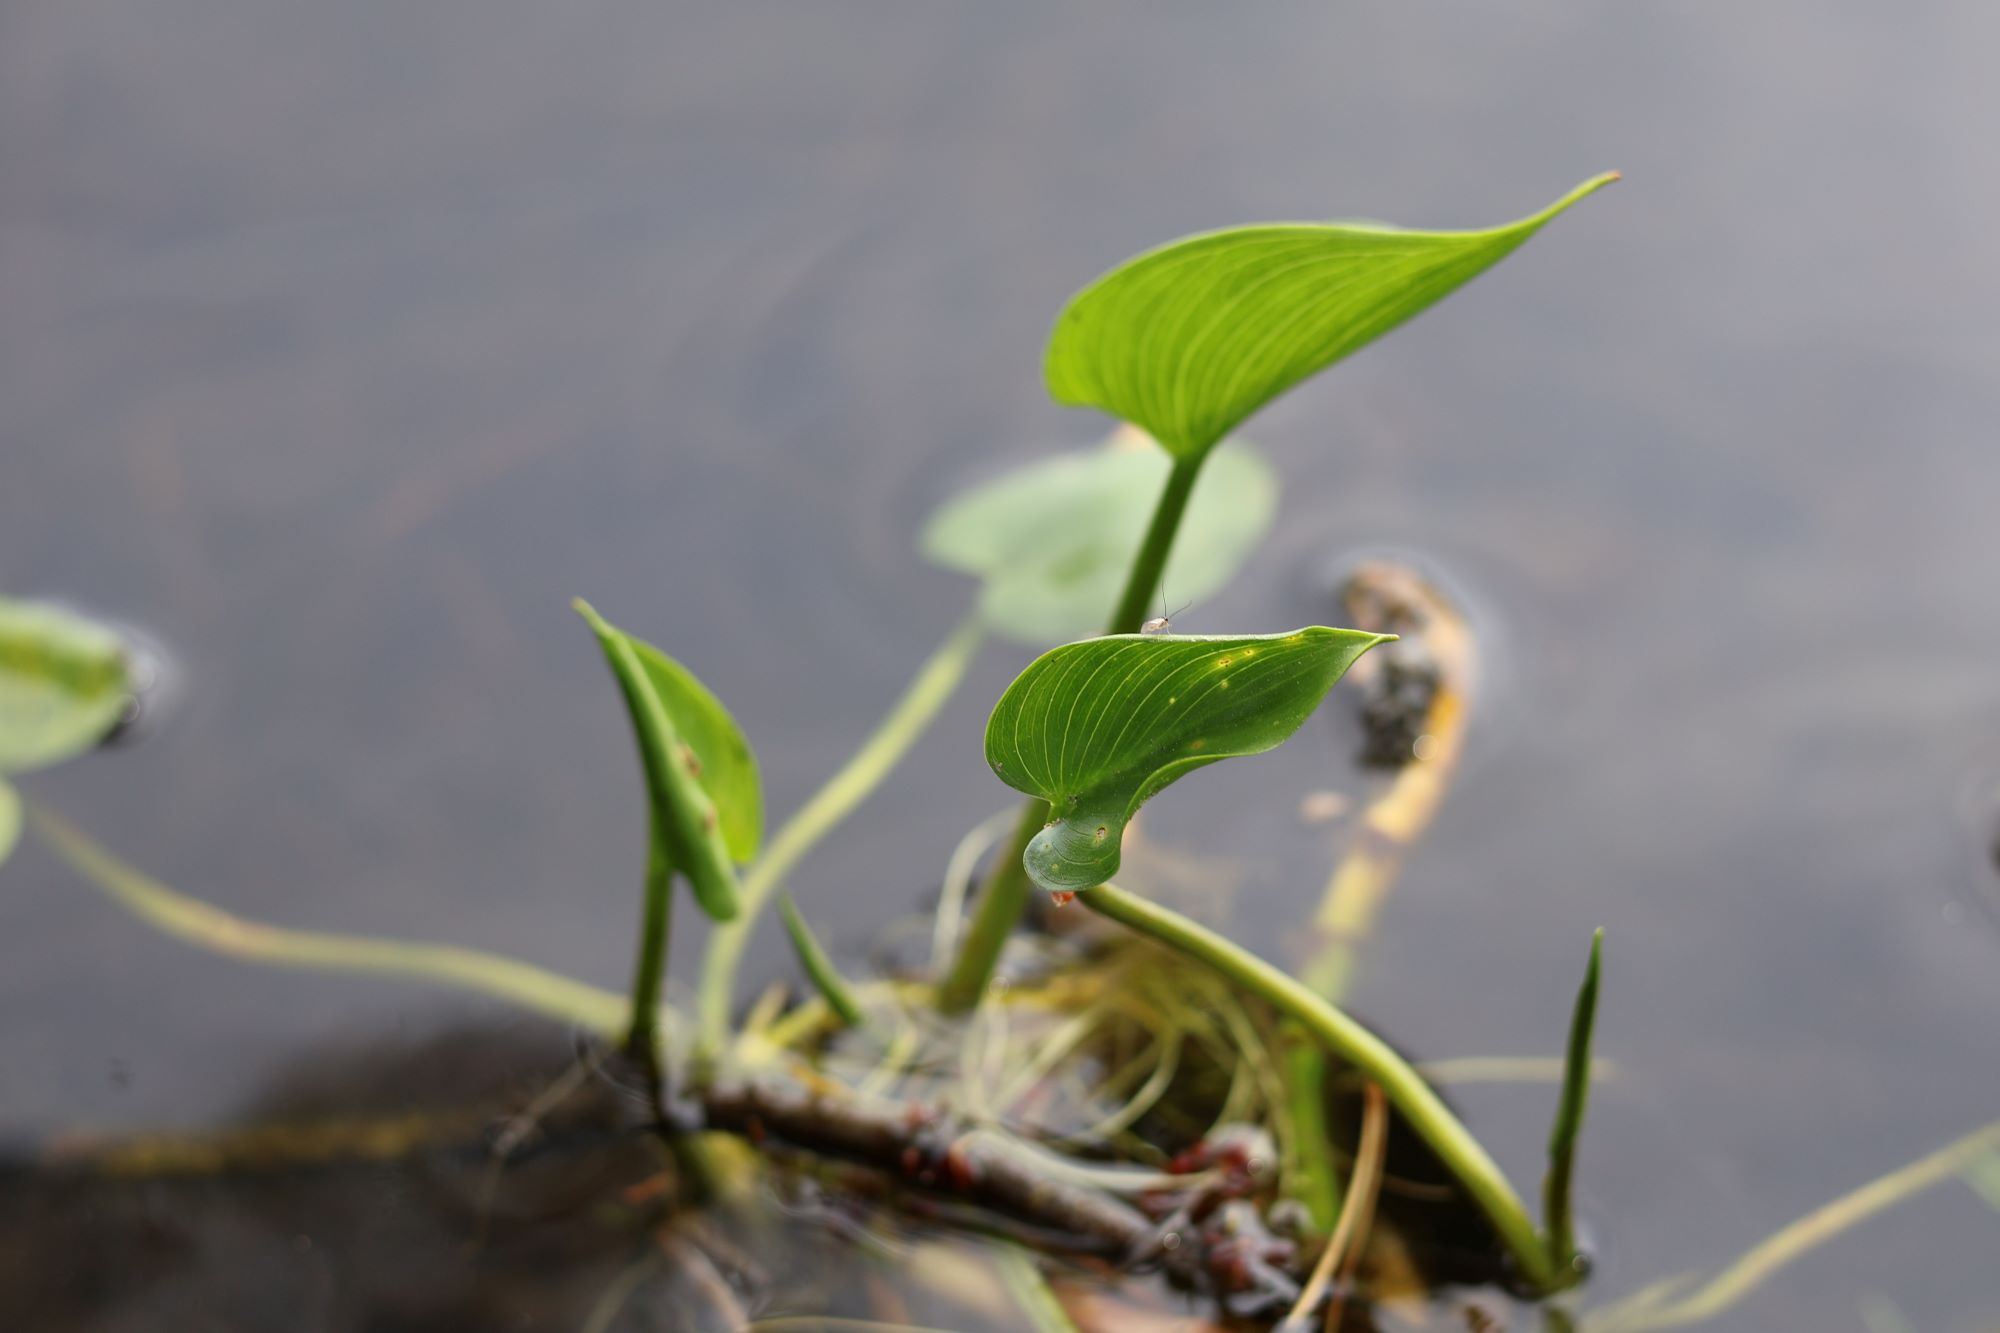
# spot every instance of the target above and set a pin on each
(341, 345)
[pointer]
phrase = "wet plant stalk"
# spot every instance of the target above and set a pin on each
(819, 968)
(1004, 895)
(1405, 1088)
(1001, 901)
(833, 802)
(208, 927)
(649, 974)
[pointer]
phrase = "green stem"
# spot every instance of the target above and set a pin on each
(649, 975)
(819, 968)
(1004, 895)
(1426, 1113)
(1001, 902)
(211, 928)
(833, 802)
(1312, 1179)
(1144, 580)
(1570, 1107)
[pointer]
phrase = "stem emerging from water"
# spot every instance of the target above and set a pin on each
(1001, 902)
(1004, 896)
(649, 975)
(833, 802)
(1462, 1155)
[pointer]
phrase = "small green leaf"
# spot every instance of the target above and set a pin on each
(1189, 340)
(10, 819)
(63, 684)
(1053, 540)
(825, 977)
(728, 770)
(1558, 1220)
(1096, 728)
(687, 821)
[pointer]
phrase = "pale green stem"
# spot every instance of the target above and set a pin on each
(833, 802)
(819, 968)
(1645, 1311)
(1001, 902)
(1031, 1292)
(1405, 1088)
(1004, 896)
(212, 928)
(1311, 1177)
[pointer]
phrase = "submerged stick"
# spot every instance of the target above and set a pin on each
(932, 1151)
(1435, 647)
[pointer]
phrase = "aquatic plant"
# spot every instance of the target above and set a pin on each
(1185, 343)
(1212, 1073)
(1215, 1070)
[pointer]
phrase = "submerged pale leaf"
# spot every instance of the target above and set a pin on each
(63, 684)
(1189, 340)
(1096, 728)
(10, 819)
(1052, 541)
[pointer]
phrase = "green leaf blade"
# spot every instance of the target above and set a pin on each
(64, 682)
(680, 786)
(1097, 728)
(1189, 340)
(1051, 541)
(1558, 1216)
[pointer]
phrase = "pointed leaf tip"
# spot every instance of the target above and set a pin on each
(1189, 340)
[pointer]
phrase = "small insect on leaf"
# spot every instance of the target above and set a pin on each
(1096, 728)
(826, 978)
(701, 779)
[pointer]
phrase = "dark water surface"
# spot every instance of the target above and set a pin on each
(340, 345)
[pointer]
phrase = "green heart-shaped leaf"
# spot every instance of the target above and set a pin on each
(1052, 540)
(1189, 340)
(701, 779)
(63, 683)
(1096, 728)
